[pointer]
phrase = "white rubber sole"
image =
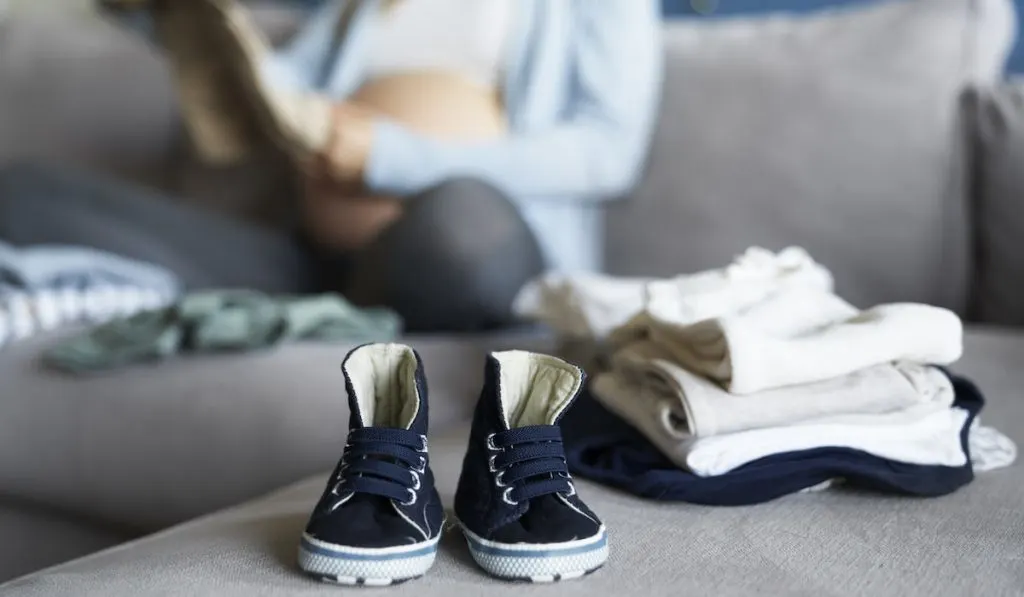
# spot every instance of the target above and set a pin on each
(539, 563)
(361, 566)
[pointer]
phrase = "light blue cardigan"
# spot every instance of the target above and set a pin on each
(581, 91)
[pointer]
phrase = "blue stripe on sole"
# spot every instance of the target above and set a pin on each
(343, 555)
(537, 553)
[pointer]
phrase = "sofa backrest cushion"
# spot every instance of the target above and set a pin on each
(75, 89)
(998, 283)
(838, 131)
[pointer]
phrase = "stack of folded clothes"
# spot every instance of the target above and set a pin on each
(739, 385)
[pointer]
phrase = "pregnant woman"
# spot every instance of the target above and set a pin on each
(451, 149)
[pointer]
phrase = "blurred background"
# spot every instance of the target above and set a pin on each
(672, 9)
(886, 141)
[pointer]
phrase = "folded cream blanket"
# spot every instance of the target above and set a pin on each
(693, 406)
(797, 336)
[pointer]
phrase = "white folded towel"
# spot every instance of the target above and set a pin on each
(919, 435)
(591, 305)
(798, 336)
(701, 408)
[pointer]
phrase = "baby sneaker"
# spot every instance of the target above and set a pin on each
(516, 501)
(379, 519)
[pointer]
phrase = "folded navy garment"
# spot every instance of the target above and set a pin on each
(603, 448)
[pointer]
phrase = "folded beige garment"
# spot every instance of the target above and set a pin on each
(218, 53)
(692, 405)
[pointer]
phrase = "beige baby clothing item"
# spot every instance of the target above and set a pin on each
(218, 53)
(698, 407)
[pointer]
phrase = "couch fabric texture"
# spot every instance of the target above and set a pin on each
(843, 132)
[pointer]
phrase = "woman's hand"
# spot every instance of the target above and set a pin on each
(348, 150)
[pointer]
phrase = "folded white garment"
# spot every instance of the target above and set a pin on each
(592, 305)
(799, 336)
(699, 407)
(923, 436)
(916, 436)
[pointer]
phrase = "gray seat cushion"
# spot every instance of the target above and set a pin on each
(836, 131)
(151, 446)
(832, 543)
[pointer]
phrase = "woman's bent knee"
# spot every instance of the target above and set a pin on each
(462, 198)
(456, 259)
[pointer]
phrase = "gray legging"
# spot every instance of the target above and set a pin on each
(452, 262)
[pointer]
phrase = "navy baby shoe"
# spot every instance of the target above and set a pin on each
(380, 518)
(516, 501)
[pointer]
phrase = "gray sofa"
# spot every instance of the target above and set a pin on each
(881, 139)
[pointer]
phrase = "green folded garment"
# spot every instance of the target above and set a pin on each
(223, 321)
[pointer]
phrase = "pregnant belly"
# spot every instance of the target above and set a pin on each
(438, 104)
(441, 105)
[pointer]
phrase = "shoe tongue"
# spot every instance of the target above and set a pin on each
(381, 380)
(534, 389)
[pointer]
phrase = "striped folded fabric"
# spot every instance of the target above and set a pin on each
(45, 287)
(25, 313)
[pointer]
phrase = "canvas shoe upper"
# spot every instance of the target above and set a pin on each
(516, 501)
(379, 518)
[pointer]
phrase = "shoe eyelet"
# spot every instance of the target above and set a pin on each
(415, 481)
(423, 449)
(336, 490)
(490, 443)
(422, 467)
(498, 479)
(572, 489)
(507, 498)
(490, 464)
(412, 498)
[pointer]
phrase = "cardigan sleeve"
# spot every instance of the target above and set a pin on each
(596, 152)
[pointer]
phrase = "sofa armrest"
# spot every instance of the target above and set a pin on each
(997, 116)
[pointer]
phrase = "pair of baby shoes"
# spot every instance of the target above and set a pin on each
(380, 518)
